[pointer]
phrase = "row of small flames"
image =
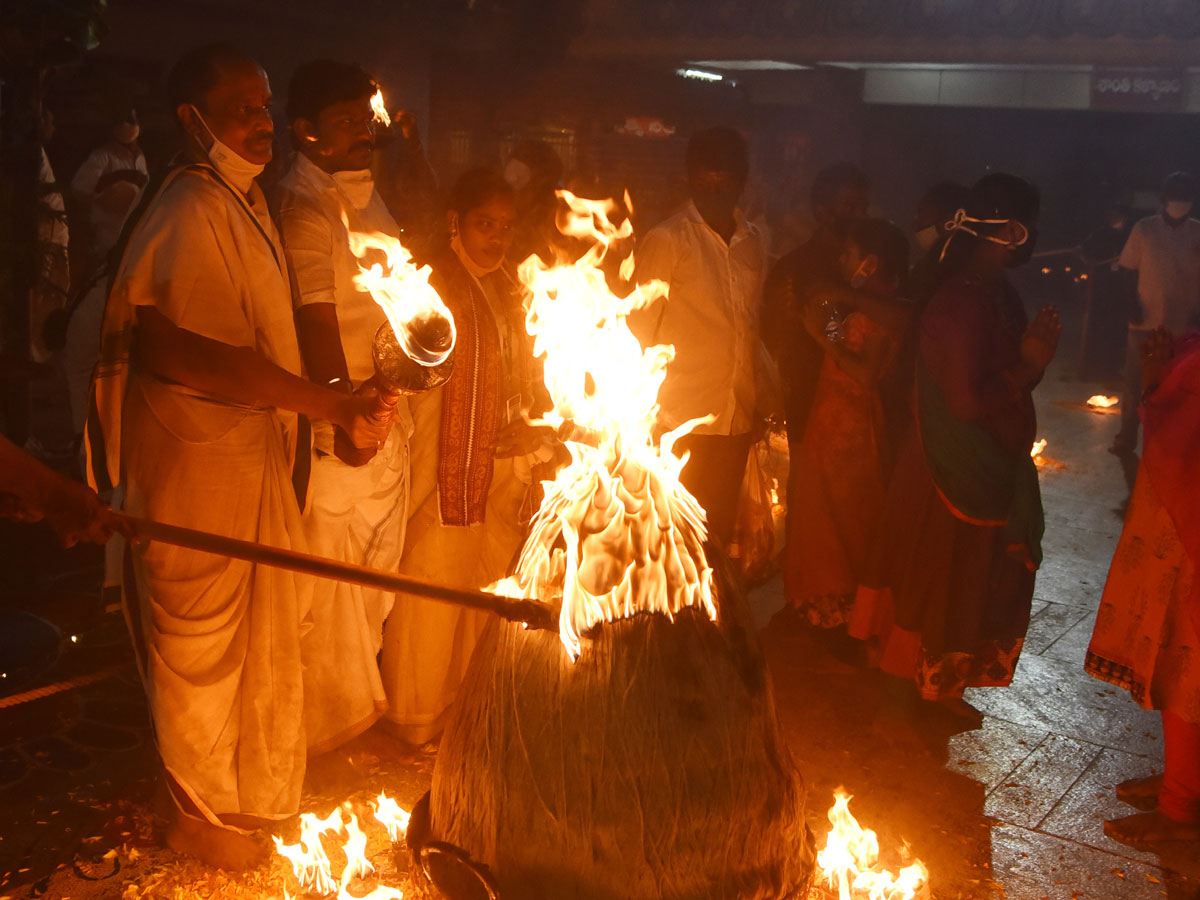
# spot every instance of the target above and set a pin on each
(849, 865)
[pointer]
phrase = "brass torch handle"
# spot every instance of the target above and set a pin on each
(530, 612)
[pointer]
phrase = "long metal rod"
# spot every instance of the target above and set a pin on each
(530, 612)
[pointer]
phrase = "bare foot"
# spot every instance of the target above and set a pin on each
(1140, 793)
(1146, 828)
(215, 846)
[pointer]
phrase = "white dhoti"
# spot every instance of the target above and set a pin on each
(220, 648)
(218, 639)
(355, 515)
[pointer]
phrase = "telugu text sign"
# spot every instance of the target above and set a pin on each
(1139, 90)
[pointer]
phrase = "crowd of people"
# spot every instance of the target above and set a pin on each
(232, 390)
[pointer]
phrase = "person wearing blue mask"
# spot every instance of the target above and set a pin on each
(200, 409)
(1164, 250)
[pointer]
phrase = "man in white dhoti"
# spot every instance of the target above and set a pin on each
(196, 429)
(357, 501)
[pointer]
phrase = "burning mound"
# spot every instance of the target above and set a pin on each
(652, 767)
(635, 754)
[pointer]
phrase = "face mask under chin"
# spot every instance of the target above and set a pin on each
(232, 166)
(357, 184)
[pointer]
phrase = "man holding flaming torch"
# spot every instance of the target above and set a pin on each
(357, 507)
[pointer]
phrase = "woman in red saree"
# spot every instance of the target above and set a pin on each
(1147, 634)
(838, 475)
(948, 593)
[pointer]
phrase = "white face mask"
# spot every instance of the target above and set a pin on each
(963, 222)
(468, 260)
(1178, 209)
(517, 174)
(357, 185)
(926, 237)
(234, 167)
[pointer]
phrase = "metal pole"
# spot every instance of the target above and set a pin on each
(530, 612)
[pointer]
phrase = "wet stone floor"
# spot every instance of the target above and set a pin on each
(1012, 809)
(1015, 808)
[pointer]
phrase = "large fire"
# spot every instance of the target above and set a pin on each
(617, 534)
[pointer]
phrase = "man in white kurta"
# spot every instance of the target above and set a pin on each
(354, 513)
(220, 638)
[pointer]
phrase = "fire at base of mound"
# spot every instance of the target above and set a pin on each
(650, 767)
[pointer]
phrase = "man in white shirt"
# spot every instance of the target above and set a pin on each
(357, 507)
(1164, 250)
(714, 262)
(110, 182)
(108, 185)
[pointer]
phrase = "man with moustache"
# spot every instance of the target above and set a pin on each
(357, 506)
(196, 400)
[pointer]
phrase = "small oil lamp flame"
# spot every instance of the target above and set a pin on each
(1100, 401)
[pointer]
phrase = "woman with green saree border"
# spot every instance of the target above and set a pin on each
(947, 597)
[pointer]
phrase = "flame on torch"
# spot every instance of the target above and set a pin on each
(410, 303)
(379, 109)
